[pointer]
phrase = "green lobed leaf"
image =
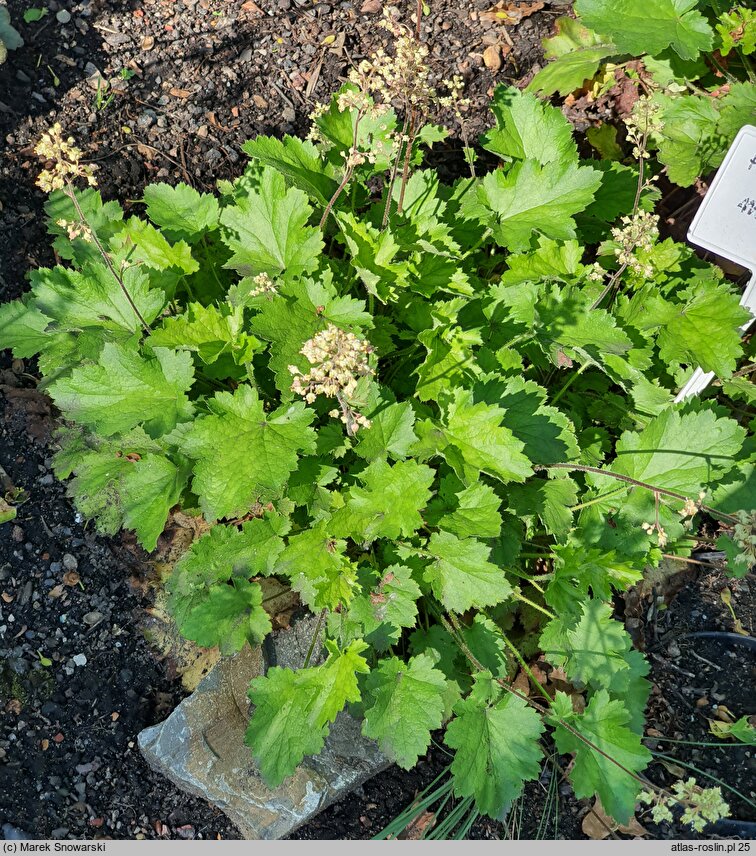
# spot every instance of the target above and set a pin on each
(293, 710)
(242, 454)
(225, 553)
(140, 243)
(528, 128)
(466, 511)
(575, 53)
(122, 482)
(390, 433)
(497, 747)
(389, 503)
(702, 327)
(126, 389)
(92, 297)
(267, 230)
(181, 212)
(404, 703)
(531, 199)
(461, 575)
(22, 328)
(228, 616)
(479, 442)
(637, 27)
(595, 771)
(318, 567)
(210, 332)
(298, 160)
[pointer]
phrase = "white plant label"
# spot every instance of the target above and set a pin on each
(725, 224)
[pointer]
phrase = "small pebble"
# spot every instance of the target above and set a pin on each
(64, 16)
(69, 562)
(92, 618)
(80, 659)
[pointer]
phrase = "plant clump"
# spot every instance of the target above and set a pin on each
(505, 454)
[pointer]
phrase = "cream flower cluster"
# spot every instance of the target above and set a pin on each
(338, 359)
(263, 285)
(643, 122)
(637, 232)
(702, 805)
(76, 230)
(63, 158)
(691, 507)
(661, 533)
(403, 77)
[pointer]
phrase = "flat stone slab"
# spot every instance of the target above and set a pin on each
(201, 749)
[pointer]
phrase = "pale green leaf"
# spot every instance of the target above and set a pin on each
(611, 743)
(497, 749)
(209, 331)
(404, 704)
(181, 212)
(140, 242)
(461, 575)
(228, 616)
(479, 442)
(293, 710)
(126, 389)
(638, 27)
(244, 455)
(531, 199)
(390, 433)
(388, 504)
(267, 230)
(298, 160)
(528, 128)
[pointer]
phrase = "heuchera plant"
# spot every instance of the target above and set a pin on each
(442, 412)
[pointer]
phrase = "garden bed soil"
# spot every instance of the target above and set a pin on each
(78, 681)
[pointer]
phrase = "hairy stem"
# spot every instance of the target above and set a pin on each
(314, 638)
(348, 172)
(71, 194)
(394, 170)
(545, 711)
(636, 483)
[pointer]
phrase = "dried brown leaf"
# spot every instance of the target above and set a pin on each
(510, 13)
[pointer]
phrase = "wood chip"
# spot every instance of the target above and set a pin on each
(416, 828)
(71, 578)
(370, 7)
(492, 58)
(180, 93)
(148, 43)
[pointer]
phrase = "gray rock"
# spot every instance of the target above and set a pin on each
(80, 659)
(13, 833)
(64, 16)
(201, 749)
(70, 562)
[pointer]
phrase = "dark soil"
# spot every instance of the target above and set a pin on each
(207, 75)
